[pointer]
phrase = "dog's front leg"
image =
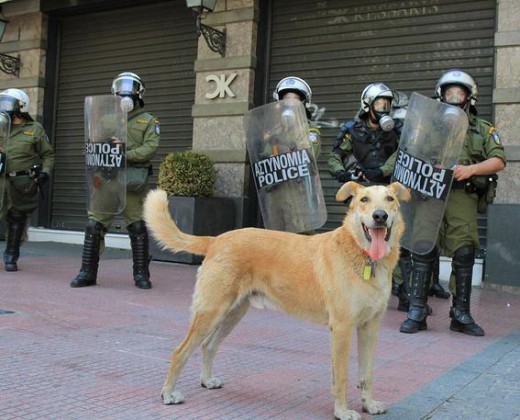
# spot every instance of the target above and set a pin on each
(367, 339)
(341, 339)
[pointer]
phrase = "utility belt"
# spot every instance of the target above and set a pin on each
(33, 172)
(465, 185)
(14, 174)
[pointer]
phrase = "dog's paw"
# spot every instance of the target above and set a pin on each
(174, 397)
(211, 383)
(347, 415)
(374, 407)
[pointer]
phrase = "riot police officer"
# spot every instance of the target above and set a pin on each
(293, 87)
(482, 154)
(364, 151)
(365, 146)
(29, 161)
(287, 200)
(399, 109)
(143, 140)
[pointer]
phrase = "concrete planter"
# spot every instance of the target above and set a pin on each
(200, 216)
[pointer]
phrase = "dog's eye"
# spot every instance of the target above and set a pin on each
(364, 199)
(389, 198)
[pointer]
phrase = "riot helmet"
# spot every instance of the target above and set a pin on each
(293, 84)
(376, 101)
(14, 102)
(399, 106)
(130, 87)
(458, 88)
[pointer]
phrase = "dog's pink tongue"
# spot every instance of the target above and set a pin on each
(378, 245)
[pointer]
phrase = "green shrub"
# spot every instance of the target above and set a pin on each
(187, 174)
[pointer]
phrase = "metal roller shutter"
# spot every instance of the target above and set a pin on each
(158, 42)
(341, 46)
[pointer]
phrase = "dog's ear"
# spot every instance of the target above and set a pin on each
(348, 190)
(402, 192)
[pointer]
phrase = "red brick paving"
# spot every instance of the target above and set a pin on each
(103, 352)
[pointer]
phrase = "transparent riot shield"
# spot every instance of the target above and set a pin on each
(430, 145)
(105, 144)
(284, 167)
(5, 126)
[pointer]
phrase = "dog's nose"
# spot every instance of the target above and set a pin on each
(380, 216)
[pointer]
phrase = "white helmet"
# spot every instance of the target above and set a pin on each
(399, 106)
(128, 84)
(14, 101)
(459, 78)
(293, 84)
(372, 92)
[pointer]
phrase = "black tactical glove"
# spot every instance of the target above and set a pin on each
(373, 174)
(2, 162)
(43, 177)
(342, 176)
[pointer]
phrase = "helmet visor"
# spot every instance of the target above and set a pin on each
(126, 86)
(382, 105)
(455, 95)
(9, 104)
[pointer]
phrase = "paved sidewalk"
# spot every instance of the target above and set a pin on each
(102, 352)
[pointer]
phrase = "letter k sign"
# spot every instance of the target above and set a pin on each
(221, 85)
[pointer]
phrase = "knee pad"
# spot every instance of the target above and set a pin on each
(137, 228)
(95, 228)
(15, 216)
(464, 256)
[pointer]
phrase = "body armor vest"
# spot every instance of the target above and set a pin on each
(372, 148)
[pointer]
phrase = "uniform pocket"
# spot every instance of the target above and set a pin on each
(23, 193)
(136, 179)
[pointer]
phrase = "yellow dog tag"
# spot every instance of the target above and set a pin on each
(368, 271)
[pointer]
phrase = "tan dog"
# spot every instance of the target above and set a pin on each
(340, 279)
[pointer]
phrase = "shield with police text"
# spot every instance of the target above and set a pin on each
(429, 148)
(5, 126)
(105, 145)
(284, 167)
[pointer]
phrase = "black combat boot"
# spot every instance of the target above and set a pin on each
(436, 289)
(405, 265)
(461, 319)
(90, 259)
(419, 310)
(15, 229)
(140, 254)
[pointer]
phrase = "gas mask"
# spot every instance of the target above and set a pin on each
(288, 118)
(449, 115)
(381, 108)
(448, 120)
(385, 121)
(127, 104)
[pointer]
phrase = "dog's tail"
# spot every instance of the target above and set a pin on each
(165, 231)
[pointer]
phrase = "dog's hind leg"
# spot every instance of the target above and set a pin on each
(367, 339)
(211, 344)
(202, 325)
